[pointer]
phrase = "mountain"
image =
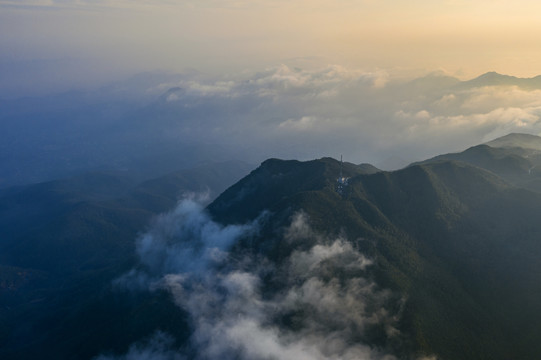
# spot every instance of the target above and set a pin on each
(61, 245)
(458, 243)
(517, 140)
(439, 259)
(432, 82)
(495, 79)
(514, 157)
(368, 168)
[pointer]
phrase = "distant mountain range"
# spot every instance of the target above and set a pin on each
(448, 250)
(514, 157)
(495, 79)
(487, 79)
(141, 125)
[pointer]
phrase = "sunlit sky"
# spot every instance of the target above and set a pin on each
(283, 78)
(464, 38)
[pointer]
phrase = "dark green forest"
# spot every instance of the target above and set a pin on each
(456, 240)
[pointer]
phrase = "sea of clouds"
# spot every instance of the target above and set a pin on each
(176, 120)
(368, 116)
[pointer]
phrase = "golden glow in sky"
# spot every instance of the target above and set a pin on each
(465, 38)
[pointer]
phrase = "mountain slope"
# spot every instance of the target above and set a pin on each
(495, 79)
(455, 241)
(514, 157)
(443, 258)
(61, 245)
(517, 140)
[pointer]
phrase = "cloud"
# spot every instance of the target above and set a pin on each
(278, 112)
(287, 112)
(367, 116)
(487, 126)
(158, 347)
(282, 81)
(484, 99)
(184, 240)
(304, 262)
(304, 123)
(315, 303)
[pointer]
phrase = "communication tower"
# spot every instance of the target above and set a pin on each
(342, 181)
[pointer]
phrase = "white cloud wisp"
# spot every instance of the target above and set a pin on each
(318, 303)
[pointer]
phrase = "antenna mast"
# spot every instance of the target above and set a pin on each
(342, 181)
(341, 163)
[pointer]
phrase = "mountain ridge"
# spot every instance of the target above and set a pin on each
(400, 214)
(516, 158)
(493, 78)
(450, 243)
(522, 140)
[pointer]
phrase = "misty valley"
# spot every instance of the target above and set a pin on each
(136, 224)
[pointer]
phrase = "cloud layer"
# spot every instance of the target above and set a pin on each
(367, 116)
(172, 120)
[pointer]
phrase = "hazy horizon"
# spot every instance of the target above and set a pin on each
(63, 45)
(375, 81)
(158, 122)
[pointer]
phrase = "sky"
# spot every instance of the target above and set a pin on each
(85, 41)
(372, 80)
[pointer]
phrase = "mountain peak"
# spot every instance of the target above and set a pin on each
(493, 78)
(493, 75)
(523, 140)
